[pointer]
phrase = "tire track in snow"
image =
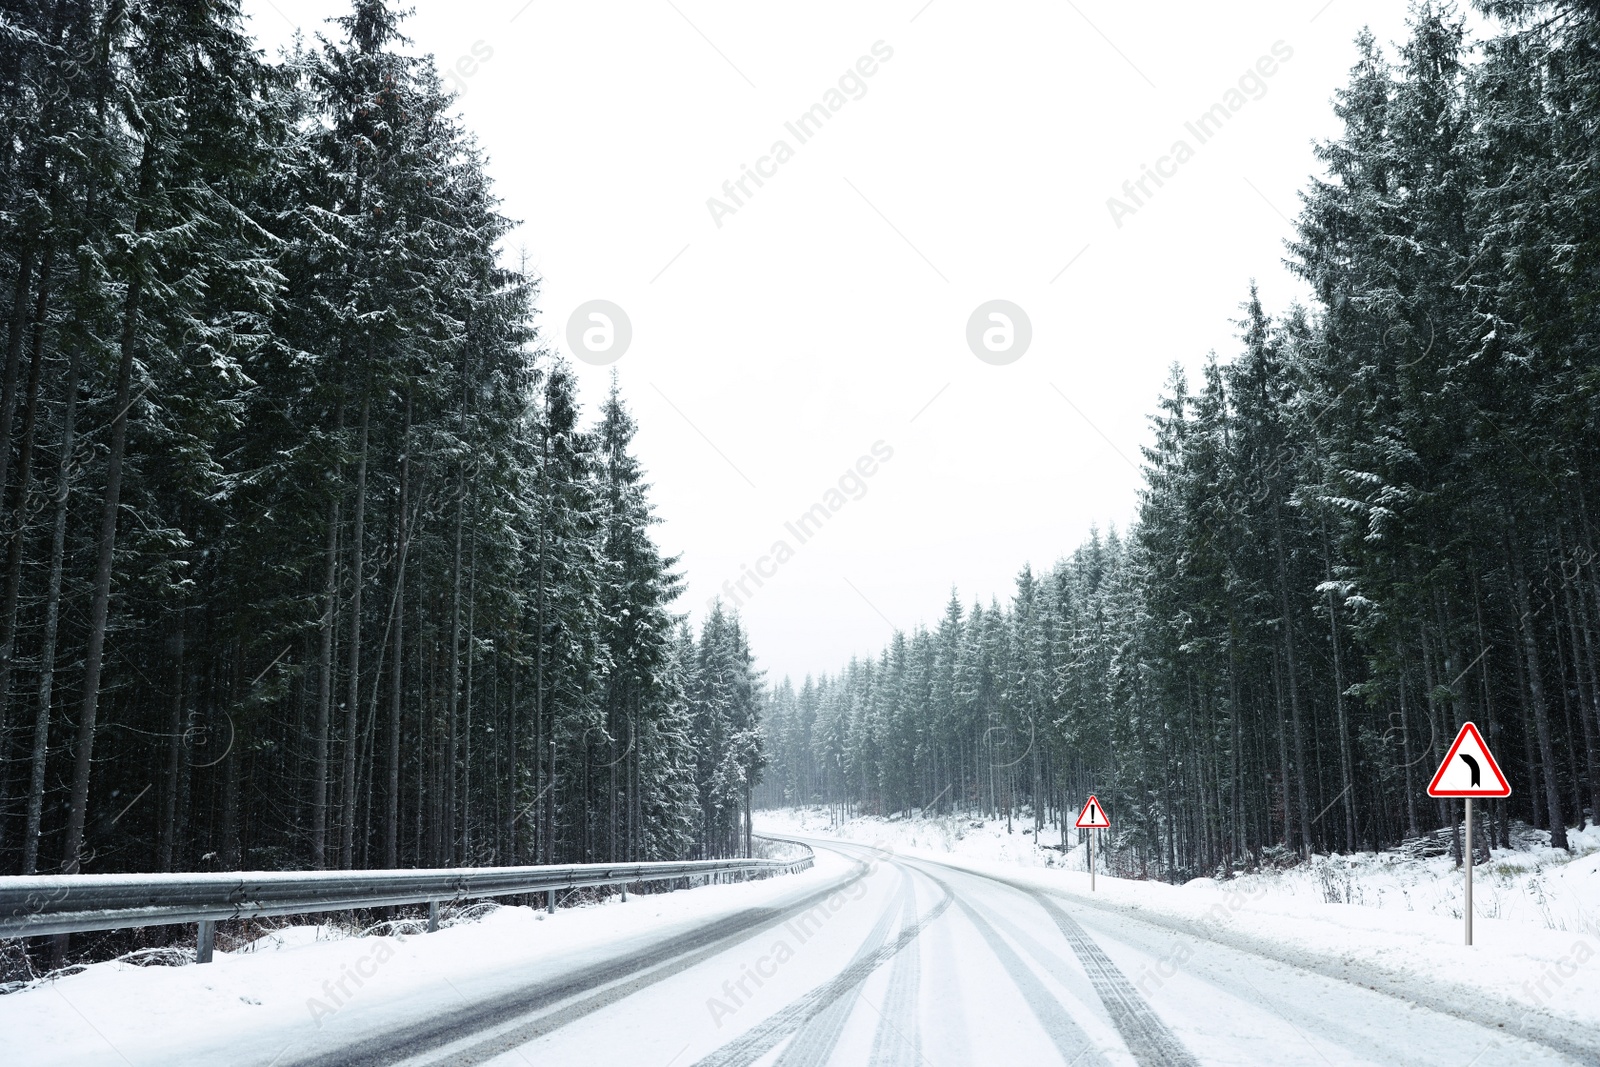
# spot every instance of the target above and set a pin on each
(1146, 1036)
(755, 1043)
(1070, 1040)
(819, 1035)
(1148, 1039)
(949, 1028)
(898, 1040)
(1460, 1003)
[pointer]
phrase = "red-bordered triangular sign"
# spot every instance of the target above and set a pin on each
(1093, 816)
(1469, 770)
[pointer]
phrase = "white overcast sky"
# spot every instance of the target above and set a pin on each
(830, 311)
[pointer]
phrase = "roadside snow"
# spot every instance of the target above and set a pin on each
(1386, 920)
(308, 989)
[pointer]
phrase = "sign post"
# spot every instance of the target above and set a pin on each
(1466, 904)
(1092, 818)
(1469, 771)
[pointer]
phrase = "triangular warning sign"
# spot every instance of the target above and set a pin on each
(1093, 816)
(1469, 770)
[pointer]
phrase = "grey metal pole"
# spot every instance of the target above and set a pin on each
(551, 905)
(1468, 908)
(433, 916)
(1091, 861)
(205, 942)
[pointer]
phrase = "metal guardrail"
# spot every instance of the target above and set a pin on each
(41, 905)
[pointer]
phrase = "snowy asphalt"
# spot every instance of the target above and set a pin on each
(910, 962)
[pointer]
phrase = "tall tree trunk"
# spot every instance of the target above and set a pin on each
(1283, 752)
(1439, 729)
(1346, 762)
(21, 510)
(611, 800)
(544, 818)
(423, 851)
(232, 842)
(1405, 741)
(330, 617)
(1238, 829)
(1291, 671)
(100, 606)
(52, 617)
(13, 358)
(352, 721)
(391, 825)
(1487, 696)
(1530, 755)
(1574, 776)
(176, 729)
(635, 801)
(467, 694)
(452, 698)
(513, 768)
(1541, 713)
(1576, 606)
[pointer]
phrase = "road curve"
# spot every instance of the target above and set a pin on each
(903, 961)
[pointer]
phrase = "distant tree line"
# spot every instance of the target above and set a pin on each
(1374, 522)
(309, 559)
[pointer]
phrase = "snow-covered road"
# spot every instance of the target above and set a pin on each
(913, 962)
(873, 958)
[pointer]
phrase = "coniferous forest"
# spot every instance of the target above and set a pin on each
(1373, 521)
(310, 557)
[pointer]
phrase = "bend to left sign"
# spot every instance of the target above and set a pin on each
(1469, 770)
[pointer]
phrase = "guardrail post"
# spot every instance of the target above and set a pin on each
(205, 942)
(624, 892)
(433, 916)
(550, 906)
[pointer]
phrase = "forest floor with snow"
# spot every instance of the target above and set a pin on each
(1388, 919)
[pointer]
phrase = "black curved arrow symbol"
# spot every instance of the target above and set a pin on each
(1474, 765)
